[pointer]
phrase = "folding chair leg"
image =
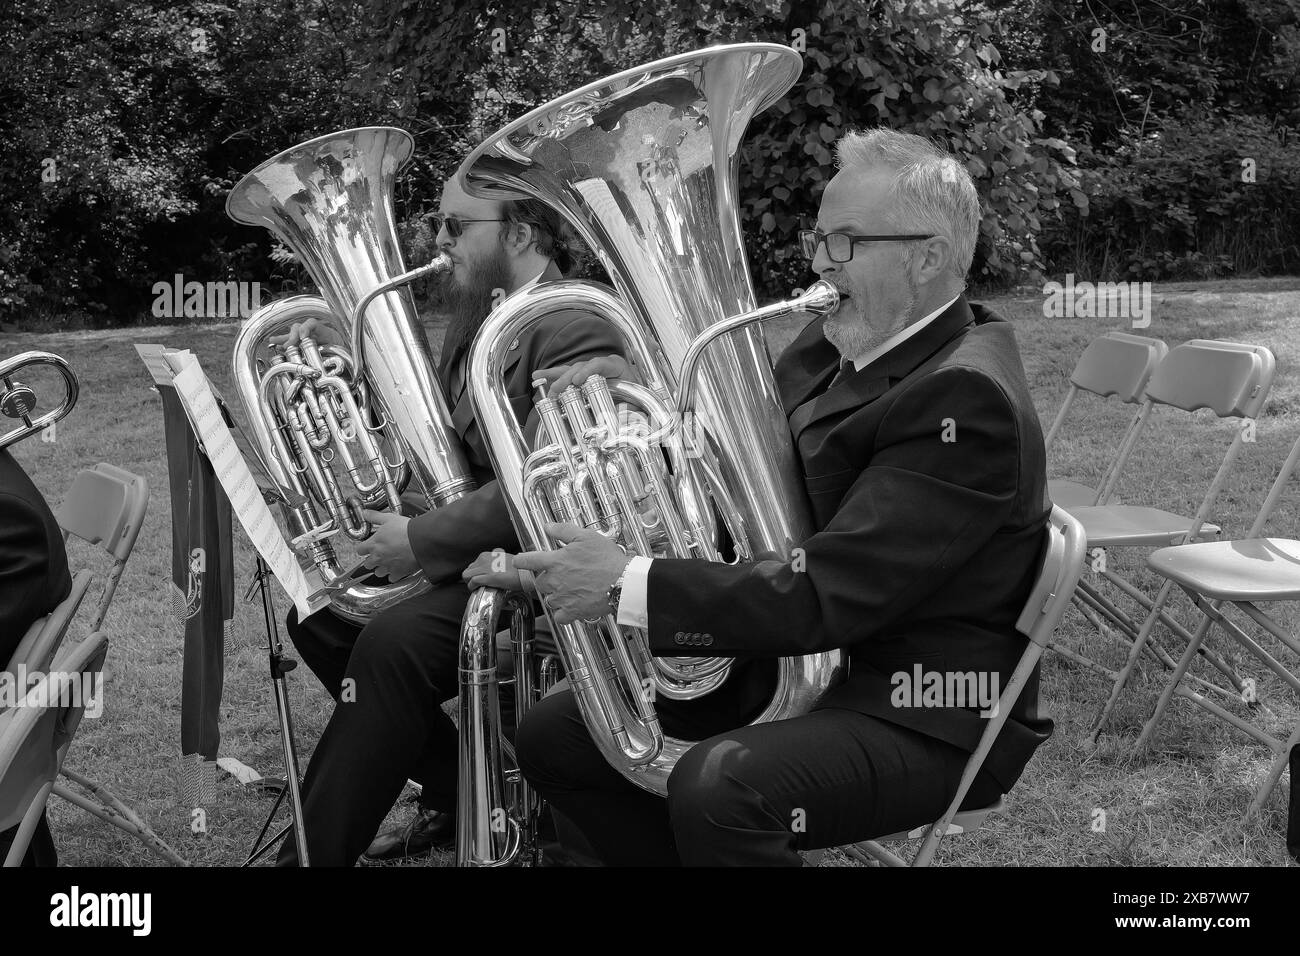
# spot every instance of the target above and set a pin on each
(872, 853)
(1080, 659)
(1088, 613)
(114, 812)
(1179, 631)
(1185, 662)
(1142, 638)
(1134, 652)
(106, 596)
(26, 829)
(1275, 774)
(1128, 630)
(1113, 612)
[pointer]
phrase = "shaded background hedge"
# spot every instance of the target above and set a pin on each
(1106, 140)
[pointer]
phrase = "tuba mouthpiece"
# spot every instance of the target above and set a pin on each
(820, 299)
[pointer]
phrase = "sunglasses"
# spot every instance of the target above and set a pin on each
(839, 245)
(455, 225)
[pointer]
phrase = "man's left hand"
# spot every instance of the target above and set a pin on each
(388, 549)
(575, 579)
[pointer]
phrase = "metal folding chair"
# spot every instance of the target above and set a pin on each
(105, 506)
(1061, 567)
(34, 740)
(1116, 364)
(1242, 573)
(1232, 380)
(43, 638)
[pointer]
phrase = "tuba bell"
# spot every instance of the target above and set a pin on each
(644, 165)
(344, 428)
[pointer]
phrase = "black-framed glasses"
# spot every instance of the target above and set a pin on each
(455, 224)
(839, 245)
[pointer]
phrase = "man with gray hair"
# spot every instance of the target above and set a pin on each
(925, 469)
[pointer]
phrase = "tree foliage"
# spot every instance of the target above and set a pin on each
(132, 120)
(129, 120)
(918, 67)
(1185, 115)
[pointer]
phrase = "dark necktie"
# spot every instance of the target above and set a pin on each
(841, 374)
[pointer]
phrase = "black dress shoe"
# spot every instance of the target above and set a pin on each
(428, 830)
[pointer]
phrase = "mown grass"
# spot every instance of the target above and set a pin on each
(1180, 804)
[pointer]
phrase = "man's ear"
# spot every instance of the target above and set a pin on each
(936, 259)
(518, 237)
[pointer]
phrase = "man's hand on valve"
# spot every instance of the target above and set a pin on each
(493, 569)
(561, 377)
(388, 549)
(574, 580)
(321, 333)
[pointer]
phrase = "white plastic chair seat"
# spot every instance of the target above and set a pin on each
(1073, 494)
(1068, 493)
(1256, 569)
(1121, 526)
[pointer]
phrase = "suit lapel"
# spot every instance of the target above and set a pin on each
(806, 367)
(866, 385)
(853, 391)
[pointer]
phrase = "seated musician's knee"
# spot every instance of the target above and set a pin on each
(713, 783)
(392, 657)
(539, 739)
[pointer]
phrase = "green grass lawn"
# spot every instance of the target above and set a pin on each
(1179, 804)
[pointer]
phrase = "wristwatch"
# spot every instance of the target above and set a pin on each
(615, 593)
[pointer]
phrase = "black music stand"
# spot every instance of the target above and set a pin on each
(280, 666)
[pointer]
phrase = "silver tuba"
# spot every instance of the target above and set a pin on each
(342, 429)
(644, 164)
(18, 400)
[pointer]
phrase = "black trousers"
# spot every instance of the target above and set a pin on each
(388, 722)
(748, 797)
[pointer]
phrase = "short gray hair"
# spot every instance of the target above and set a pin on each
(932, 192)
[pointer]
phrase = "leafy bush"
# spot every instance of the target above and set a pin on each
(151, 110)
(912, 66)
(1174, 204)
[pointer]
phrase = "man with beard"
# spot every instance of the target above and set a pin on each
(925, 470)
(390, 677)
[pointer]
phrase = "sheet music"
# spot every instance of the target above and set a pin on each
(246, 501)
(152, 355)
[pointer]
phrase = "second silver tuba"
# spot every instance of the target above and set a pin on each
(344, 428)
(644, 164)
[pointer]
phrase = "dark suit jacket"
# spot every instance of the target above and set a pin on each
(33, 563)
(448, 538)
(925, 549)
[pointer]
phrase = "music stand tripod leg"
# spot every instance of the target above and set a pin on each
(280, 666)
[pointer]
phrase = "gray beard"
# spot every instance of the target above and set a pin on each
(857, 342)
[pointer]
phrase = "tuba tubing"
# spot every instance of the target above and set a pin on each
(19, 401)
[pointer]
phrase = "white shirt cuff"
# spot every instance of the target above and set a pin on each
(632, 610)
